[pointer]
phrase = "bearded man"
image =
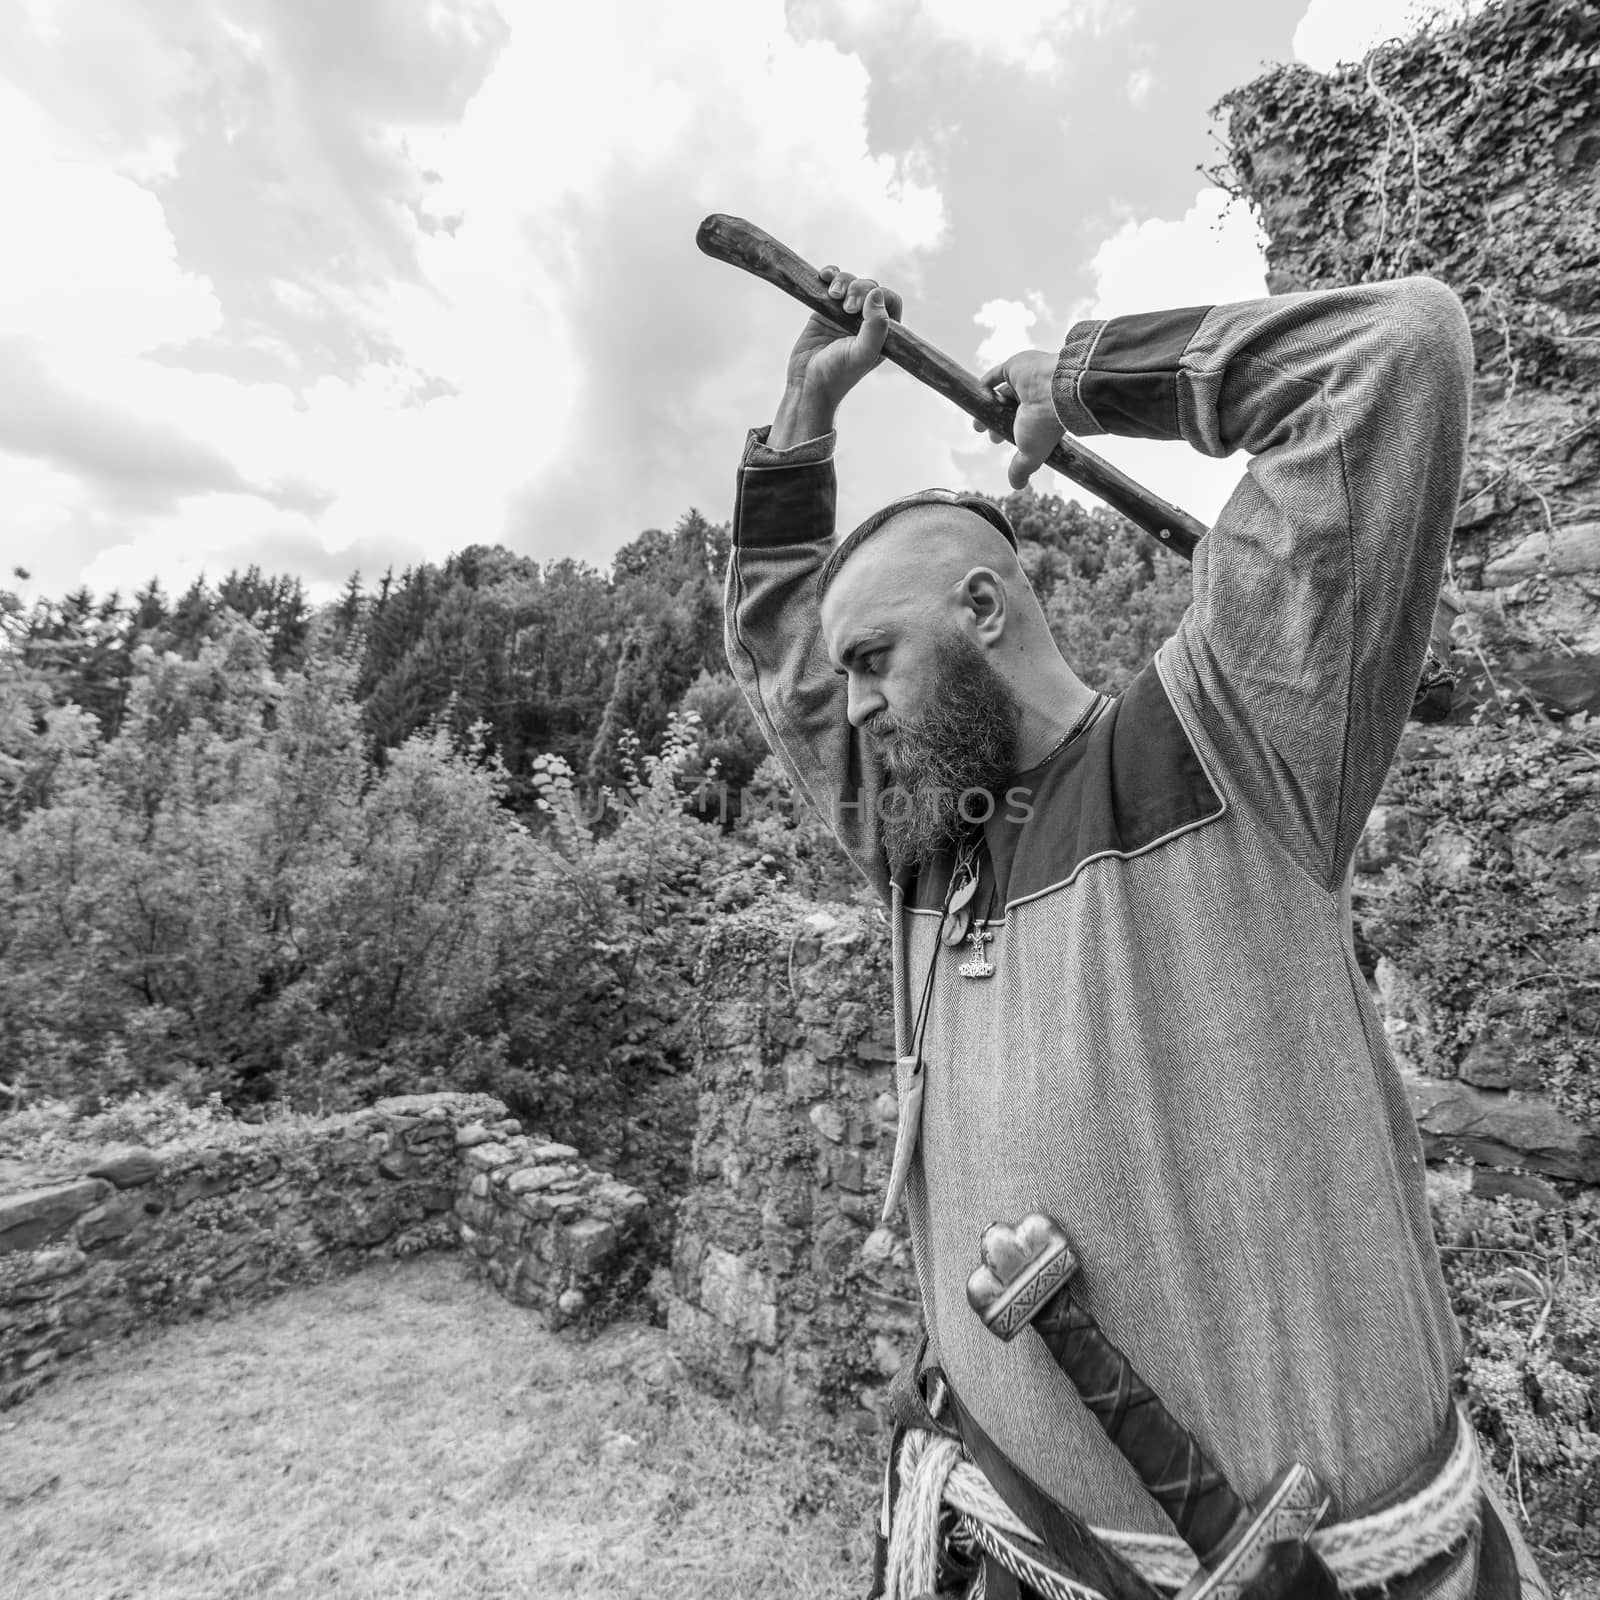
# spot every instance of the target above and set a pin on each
(1160, 1034)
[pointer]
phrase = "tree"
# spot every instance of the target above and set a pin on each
(277, 606)
(1110, 595)
(730, 744)
(41, 738)
(669, 595)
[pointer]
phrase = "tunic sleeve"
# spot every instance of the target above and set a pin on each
(782, 533)
(1314, 593)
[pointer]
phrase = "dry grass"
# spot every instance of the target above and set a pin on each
(408, 1433)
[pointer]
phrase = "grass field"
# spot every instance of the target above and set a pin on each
(407, 1432)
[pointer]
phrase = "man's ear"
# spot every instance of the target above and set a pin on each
(984, 596)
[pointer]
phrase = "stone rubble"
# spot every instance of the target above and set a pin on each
(144, 1237)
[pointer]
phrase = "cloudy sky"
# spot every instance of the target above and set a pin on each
(329, 285)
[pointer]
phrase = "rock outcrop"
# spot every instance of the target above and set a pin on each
(1471, 153)
(1477, 904)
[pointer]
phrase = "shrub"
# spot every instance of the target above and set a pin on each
(647, 874)
(1526, 1283)
(231, 897)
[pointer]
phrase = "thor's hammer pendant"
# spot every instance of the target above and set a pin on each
(1245, 1552)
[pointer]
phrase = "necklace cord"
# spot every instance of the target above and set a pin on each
(1090, 714)
(967, 858)
(919, 1028)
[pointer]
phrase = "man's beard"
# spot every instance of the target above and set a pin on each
(963, 744)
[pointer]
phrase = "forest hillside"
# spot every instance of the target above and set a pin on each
(457, 828)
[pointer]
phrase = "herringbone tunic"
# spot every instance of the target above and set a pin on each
(1177, 1054)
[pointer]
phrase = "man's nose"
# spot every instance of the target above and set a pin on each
(864, 700)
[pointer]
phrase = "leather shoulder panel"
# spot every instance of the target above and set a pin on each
(1136, 783)
(1130, 784)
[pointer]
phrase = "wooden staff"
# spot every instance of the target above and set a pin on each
(742, 244)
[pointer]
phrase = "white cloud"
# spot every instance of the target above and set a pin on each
(1024, 33)
(555, 364)
(1335, 31)
(1215, 251)
(110, 65)
(1010, 324)
(672, 355)
(94, 266)
(1212, 253)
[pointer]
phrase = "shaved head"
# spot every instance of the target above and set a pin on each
(951, 670)
(916, 560)
(936, 544)
(979, 526)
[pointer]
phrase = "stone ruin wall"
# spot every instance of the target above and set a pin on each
(547, 1231)
(136, 1238)
(1495, 1110)
(1472, 154)
(786, 1288)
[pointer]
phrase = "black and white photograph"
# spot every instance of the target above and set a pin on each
(800, 799)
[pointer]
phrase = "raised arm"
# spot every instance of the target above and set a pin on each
(1314, 592)
(783, 525)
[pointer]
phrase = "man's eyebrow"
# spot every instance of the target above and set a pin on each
(867, 641)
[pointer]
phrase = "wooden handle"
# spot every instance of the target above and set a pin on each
(742, 244)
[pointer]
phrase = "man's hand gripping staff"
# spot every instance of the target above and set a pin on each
(1245, 1552)
(829, 367)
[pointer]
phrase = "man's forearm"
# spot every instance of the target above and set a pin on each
(802, 414)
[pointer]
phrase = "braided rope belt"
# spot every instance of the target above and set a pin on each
(1362, 1552)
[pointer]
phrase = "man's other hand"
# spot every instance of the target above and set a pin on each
(825, 364)
(1025, 378)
